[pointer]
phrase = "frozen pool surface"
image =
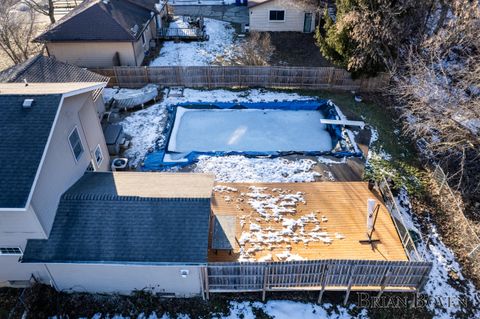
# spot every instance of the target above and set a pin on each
(206, 130)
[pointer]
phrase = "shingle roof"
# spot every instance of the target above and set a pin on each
(95, 20)
(147, 185)
(254, 3)
(48, 70)
(24, 134)
(94, 224)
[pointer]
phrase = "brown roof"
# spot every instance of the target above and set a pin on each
(98, 20)
(150, 184)
(45, 69)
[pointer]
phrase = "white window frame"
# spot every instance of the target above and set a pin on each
(101, 155)
(11, 254)
(81, 144)
(275, 21)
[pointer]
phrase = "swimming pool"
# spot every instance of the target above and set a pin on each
(250, 129)
(235, 130)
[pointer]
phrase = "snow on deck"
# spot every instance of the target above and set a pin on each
(248, 130)
(283, 222)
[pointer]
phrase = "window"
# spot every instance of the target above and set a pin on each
(143, 39)
(10, 251)
(76, 144)
(98, 155)
(277, 15)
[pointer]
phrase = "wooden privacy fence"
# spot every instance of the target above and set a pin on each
(321, 275)
(242, 77)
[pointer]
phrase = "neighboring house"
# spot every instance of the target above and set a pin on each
(121, 231)
(277, 15)
(50, 135)
(105, 33)
(43, 69)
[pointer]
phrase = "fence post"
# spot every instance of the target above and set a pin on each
(147, 80)
(330, 77)
(350, 282)
(117, 81)
(323, 280)
(386, 274)
(265, 281)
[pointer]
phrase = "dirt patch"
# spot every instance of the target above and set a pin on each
(296, 49)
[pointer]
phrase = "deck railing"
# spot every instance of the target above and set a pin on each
(181, 33)
(405, 236)
(321, 275)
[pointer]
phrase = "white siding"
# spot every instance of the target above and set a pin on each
(60, 169)
(101, 54)
(92, 54)
(294, 18)
(59, 172)
(12, 270)
(123, 279)
(15, 228)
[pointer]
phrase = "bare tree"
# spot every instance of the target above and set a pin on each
(257, 49)
(438, 88)
(43, 7)
(305, 5)
(17, 30)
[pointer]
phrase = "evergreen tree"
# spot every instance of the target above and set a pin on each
(366, 36)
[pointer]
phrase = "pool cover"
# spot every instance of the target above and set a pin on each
(206, 131)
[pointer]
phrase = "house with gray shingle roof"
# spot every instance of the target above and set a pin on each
(50, 135)
(44, 69)
(121, 231)
(105, 33)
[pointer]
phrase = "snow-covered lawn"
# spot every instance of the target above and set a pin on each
(195, 53)
(248, 130)
(278, 309)
(447, 296)
(241, 169)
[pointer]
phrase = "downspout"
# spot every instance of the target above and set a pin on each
(134, 54)
(46, 49)
(54, 284)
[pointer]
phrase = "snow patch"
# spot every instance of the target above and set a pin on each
(240, 169)
(198, 53)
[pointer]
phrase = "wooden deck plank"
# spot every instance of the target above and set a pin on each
(343, 203)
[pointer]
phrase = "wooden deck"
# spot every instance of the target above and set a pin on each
(332, 211)
(186, 34)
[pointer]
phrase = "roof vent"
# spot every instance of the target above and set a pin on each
(105, 1)
(27, 103)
